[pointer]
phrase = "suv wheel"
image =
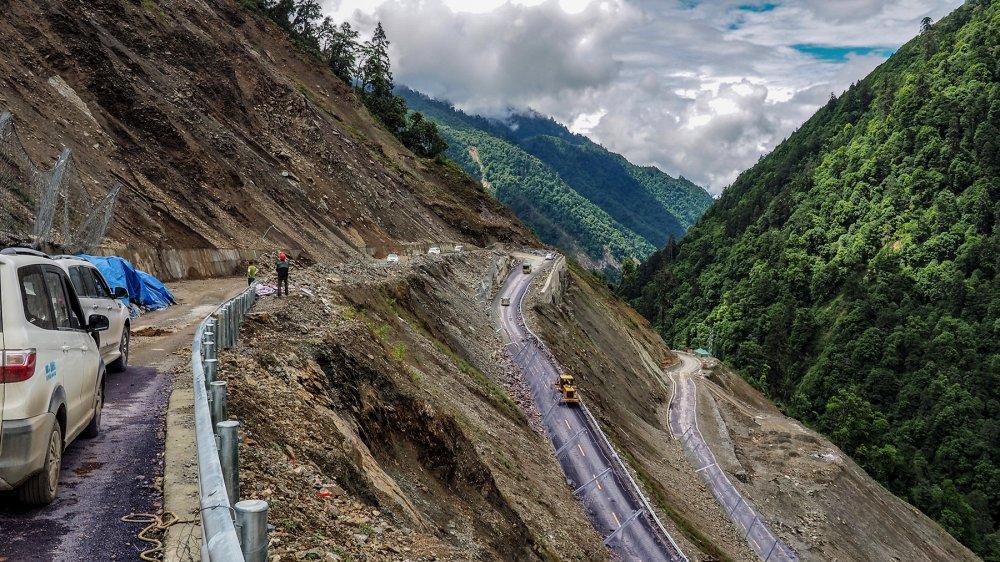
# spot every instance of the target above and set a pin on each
(94, 427)
(119, 365)
(41, 488)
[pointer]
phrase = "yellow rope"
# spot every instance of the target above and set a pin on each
(156, 522)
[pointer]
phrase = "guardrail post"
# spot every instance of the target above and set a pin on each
(208, 344)
(211, 368)
(237, 320)
(217, 391)
(230, 320)
(251, 523)
(229, 325)
(229, 457)
(221, 330)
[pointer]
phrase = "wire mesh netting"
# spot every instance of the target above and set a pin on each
(54, 206)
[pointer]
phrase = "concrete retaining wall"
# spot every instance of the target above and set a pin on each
(172, 264)
(554, 289)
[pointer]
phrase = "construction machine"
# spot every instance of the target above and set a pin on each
(526, 267)
(565, 385)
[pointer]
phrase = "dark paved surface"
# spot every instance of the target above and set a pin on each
(612, 504)
(102, 480)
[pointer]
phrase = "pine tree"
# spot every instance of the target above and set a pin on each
(340, 47)
(374, 81)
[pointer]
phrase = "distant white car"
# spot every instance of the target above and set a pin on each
(97, 297)
(459, 247)
(392, 258)
(550, 256)
(433, 251)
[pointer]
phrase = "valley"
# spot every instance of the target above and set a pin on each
(401, 402)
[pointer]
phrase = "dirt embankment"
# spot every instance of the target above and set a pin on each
(222, 128)
(824, 504)
(379, 423)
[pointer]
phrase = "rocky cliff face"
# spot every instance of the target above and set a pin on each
(221, 128)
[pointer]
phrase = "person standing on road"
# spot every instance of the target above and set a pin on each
(251, 273)
(281, 267)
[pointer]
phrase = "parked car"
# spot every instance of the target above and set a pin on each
(434, 250)
(392, 258)
(97, 297)
(51, 373)
(550, 256)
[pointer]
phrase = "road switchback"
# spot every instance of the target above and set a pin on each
(612, 500)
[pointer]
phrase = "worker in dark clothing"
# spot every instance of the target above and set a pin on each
(281, 267)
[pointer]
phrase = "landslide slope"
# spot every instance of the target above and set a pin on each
(222, 128)
(590, 202)
(852, 274)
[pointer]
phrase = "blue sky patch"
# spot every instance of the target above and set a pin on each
(758, 8)
(839, 54)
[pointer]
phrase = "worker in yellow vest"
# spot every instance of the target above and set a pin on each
(251, 273)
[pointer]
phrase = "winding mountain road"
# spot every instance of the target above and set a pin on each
(684, 425)
(611, 498)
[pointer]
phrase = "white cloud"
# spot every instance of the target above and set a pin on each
(701, 89)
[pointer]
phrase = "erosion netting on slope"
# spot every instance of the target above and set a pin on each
(42, 206)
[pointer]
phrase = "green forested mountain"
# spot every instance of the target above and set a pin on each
(852, 274)
(574, 193)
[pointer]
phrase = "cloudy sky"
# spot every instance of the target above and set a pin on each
(700, 88)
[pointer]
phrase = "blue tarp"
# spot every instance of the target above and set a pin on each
(143, 289)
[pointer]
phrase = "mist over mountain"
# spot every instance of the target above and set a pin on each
(572, 192)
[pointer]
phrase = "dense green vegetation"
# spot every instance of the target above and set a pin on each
(365, 66)
(534, 192)
(574, 193)
(852, 274)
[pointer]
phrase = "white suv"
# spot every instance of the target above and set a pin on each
(97, 298)
(51, 373)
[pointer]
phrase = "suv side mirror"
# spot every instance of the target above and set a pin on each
(98, 323)
(121, 293)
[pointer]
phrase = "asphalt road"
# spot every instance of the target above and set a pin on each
(684, 424)
(117, 473)
(611, 503)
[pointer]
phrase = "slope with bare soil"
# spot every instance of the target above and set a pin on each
(221, 128)
(812, 495)
(827, 506)
(385, 388)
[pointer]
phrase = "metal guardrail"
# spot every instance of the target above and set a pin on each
(232, 530)
(711, 473)
(620, 469)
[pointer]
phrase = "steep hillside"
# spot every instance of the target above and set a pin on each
(813, 497)
(852, 274)
(222, 128)
(549, 175)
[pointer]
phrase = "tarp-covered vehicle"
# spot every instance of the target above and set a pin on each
(144, 290)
